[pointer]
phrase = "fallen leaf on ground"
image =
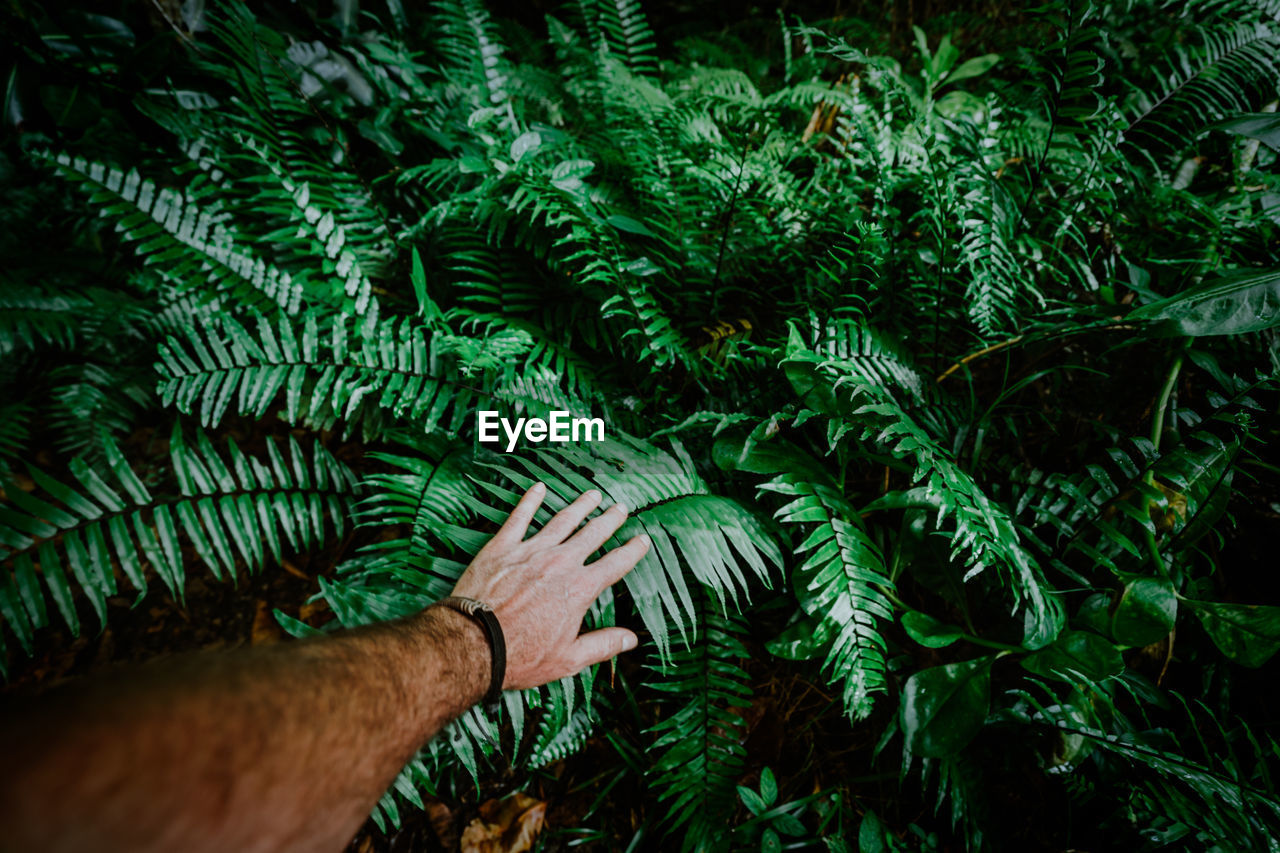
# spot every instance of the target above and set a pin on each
(312, 608)
(441, 817)
(265, 628)
(505, 826)
(294, 570)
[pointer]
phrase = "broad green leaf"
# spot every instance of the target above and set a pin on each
(960, 104)
(753, 801)
(1093, 614)
(570, 172)
(871, 834)
(1249, 634)
(1241, 301)
(789, 824)
(1083, 652)
(920, 497)
(768, 787)
(1145, 613)
(972, 68)
(774, 456)
(1261, 126)
(525, 143)
(631, 226)
(944, 707)
(927, 631)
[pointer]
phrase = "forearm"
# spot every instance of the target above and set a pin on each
(288, 747)
(282, 747)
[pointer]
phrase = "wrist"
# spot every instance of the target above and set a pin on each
(482, 614)
(455, 662)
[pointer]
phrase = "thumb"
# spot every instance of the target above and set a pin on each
(600, 646)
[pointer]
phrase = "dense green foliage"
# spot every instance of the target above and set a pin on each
(936, 376)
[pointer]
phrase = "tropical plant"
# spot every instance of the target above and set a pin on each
(938, 377)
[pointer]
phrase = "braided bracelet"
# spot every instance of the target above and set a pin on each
(483, 613)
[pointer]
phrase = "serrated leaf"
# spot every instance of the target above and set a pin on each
(754, 803)
(768, 787)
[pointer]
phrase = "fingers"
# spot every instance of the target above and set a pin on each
(567, 520)
(600, 646)
(517, 524)
(612, 567)
(597, 531)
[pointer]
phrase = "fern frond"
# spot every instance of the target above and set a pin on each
(332, 238)
(879, 359)
(698, 752)
(1207, 84)
(91, 399)
(332, 370)
(174, 229)
(556, 742)
(1222, 796)
(469, 42)
(1141, 493)
(274, 112)
(430, 494)
(15, 432)
(628, 35)
(693, 532)
(30, 318)
(839, 584)
(999, 282)
(232, 510)
(984, 531)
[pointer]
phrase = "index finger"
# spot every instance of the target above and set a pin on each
(517, 524)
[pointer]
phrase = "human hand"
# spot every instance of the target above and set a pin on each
(540, 589)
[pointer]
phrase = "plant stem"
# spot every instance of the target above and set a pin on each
(893, 598)
(993, 644)
(1157, 430)
(1157, 420)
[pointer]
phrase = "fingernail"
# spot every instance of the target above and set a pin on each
(593, 495)
(646, 541)
(629, 642)
(620, 507)
(538, 487)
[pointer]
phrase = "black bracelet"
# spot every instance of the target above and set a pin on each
(483, 613)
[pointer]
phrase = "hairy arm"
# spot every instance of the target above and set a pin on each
(288, 747)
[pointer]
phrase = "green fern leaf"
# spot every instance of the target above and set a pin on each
(233, 510)
(693, 531)
(984, 531)
(839, 584)
(174, 229)
(698, 752)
